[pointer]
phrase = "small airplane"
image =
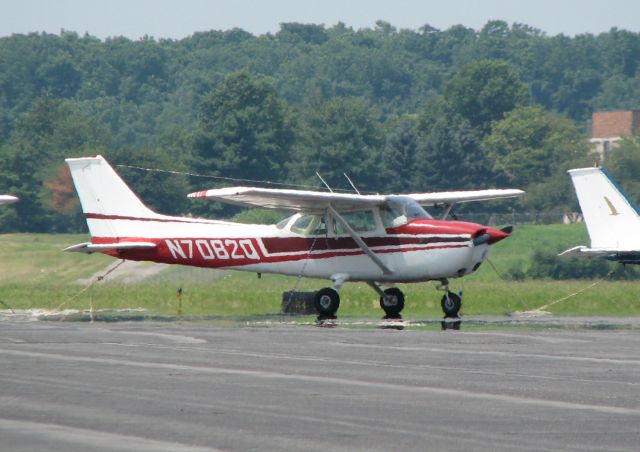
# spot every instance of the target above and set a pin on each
(612, 218)
(378, 239)
(8, 199)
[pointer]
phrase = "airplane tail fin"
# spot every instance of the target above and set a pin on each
(612, 218)
(108, 203)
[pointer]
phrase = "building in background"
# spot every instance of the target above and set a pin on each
(609, 127)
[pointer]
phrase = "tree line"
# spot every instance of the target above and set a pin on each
(397, 110)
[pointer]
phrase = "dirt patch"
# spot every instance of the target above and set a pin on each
(127, 272)
(132, 272)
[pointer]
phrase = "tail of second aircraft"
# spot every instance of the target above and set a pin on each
(109, 205)
(612, 218)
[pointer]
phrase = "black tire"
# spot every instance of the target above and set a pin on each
(326, 301)
(451, 304)
(392, 302)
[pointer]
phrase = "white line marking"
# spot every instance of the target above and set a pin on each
(91, 438)
(453, 351)
(454, 393)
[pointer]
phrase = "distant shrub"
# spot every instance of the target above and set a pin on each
(547, 264)
(515, 273)
(626, 272)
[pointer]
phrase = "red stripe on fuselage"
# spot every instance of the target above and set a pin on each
(237, 252)
(277, 245)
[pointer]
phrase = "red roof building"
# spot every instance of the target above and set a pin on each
(609, 127)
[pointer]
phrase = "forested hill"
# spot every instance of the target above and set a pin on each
(398, 110)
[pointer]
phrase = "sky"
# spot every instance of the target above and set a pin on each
(176, 19)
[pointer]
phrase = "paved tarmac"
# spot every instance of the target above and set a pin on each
(157, 386)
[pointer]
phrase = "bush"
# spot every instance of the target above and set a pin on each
(515, 273)
(547, 264)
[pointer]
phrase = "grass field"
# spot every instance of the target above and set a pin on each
(36, 274)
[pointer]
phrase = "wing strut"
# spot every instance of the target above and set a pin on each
(447, 209)
(359, 241)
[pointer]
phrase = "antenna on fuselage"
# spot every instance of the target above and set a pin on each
(351, 183)
(323, 181)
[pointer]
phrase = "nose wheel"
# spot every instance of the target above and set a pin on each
(451, 302)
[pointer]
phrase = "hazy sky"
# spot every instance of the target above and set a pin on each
(180, 18)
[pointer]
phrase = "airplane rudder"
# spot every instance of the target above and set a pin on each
(610, 215)
(102, 191)
(621, 192)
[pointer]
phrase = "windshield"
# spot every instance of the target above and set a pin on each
(285, 221)
(400, 210)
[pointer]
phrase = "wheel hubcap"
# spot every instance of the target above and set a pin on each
(325, 301)
(390, 300)
(448, 303)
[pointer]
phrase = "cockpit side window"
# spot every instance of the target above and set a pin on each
(310, 225)
(400, 210)
(360, 221)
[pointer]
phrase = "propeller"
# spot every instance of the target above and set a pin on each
(491, 235)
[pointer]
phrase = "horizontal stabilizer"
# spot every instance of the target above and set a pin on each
(8, 199)
(583, 251)
(88, 247)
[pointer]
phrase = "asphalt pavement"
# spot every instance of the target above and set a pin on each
(157, 386)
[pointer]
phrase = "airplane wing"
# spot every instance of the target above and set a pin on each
(298, 200)
(8, 199)
(89, 247)
(316, 202)
(452, 197)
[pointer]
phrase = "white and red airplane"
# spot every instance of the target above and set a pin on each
(8, 199)
(378, 239)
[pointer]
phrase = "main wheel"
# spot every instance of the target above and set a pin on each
(451, 304)
(392, 302)
(326, 302)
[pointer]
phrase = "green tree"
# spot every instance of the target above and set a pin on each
(484, 92)
(533, 148)
(243, 130)
(50, 131)
(294, 32)
(617, 93)
(399, 154)
(624, 163)
(449, 154)
(342, 135)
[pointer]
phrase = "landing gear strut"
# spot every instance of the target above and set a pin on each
(450, 302)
